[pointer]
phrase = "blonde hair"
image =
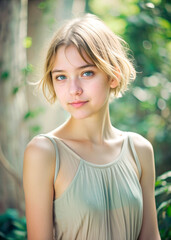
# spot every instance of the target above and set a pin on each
(102, 46)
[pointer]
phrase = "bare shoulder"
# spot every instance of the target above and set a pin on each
(40, 155)
(39, 147)
(142, 145)
(144, 150)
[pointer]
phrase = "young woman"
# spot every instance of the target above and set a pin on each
(87, 180)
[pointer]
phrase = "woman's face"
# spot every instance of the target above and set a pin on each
(81, 88)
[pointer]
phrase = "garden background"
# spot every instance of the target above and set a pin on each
(26, 27)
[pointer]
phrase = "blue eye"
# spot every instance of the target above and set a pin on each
(88, 74)
(61, 77)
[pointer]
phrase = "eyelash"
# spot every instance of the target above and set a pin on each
(57, 77)
(90, 73)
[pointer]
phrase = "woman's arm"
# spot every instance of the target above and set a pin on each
(38, 174)
(144, 149)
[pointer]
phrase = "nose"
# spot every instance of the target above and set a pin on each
(75, 88)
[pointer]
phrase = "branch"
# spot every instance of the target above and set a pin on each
(7, 166)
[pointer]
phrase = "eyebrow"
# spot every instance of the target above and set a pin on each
(81, 67)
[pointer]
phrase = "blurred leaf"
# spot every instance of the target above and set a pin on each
(118, 26)
(158, 183)
(164, 176)
(130, 9)
(19, 233)
(166, 189)
(164, 205)
(28, 69)
(156, 2)
(12, 213)
(33, 113)
(42, 5)
(4, 75)
(164, 23)
(19, 225)
(15, 90)
(27, 43)
(45, 6)
(35, 129)
(12, 226)
(169, 211)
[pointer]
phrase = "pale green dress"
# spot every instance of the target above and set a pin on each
(100, 202)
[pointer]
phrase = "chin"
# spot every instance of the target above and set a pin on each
(80, 115)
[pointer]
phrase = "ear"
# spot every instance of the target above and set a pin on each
(114, 83)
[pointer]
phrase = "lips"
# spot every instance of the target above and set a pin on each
(78, 104)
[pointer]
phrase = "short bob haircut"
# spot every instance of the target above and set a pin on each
(102, 46)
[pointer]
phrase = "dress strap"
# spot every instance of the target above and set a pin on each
(135, 154)
(56, 152)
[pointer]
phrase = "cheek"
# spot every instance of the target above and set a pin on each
(101, 89)
(59, 91)
(58, 88)
(60, 95)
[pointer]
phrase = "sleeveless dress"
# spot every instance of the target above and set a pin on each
(100, 202)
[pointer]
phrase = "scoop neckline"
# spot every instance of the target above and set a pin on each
(93, 164)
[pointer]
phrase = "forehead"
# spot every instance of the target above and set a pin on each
(67, 56)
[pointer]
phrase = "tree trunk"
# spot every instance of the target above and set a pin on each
(13, 105)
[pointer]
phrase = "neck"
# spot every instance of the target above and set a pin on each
(95, 129)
